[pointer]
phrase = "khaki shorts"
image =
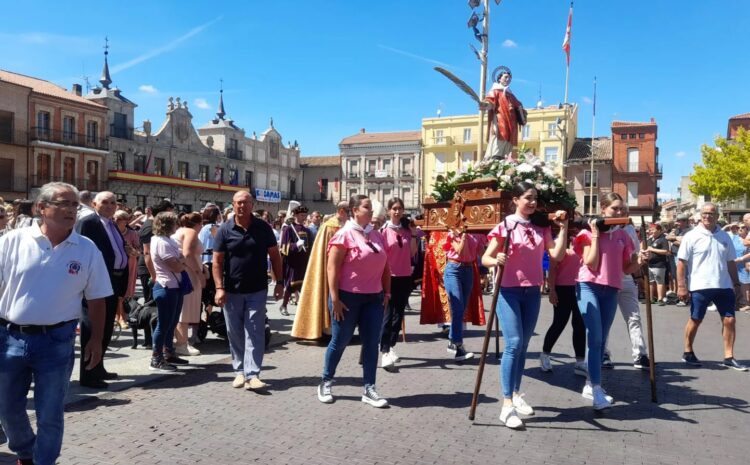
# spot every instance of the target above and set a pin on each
(657, 275)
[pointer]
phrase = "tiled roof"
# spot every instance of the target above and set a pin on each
(616, 124)
(45, 87)
(582, 149)
(329, 160)
(742, 116)
(379, 137)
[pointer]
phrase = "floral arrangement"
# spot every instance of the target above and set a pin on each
(509, 171)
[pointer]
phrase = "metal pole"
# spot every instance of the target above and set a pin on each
(483, 75)
(593, 135)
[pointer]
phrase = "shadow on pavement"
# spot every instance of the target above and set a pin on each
(456, 400)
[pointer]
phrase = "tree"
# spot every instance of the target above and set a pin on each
(725, 173)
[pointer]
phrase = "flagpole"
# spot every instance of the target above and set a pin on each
(593, 135)
(567, 51)
(483, 75)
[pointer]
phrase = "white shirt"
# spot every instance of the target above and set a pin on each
(45, 285)
(162, 249)
(707, 254)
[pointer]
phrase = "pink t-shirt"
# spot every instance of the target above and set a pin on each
(362, 270)
(162, 249)
(398, 250)
(468, 254)
(615, 249)
(567, 269)
(523, 267)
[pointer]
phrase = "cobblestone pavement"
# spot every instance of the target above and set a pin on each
(196, 417)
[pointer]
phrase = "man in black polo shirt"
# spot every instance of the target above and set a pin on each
(240, 271)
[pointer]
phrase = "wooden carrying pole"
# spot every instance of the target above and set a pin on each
(649, 319)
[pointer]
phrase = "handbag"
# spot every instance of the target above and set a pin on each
(186, 286)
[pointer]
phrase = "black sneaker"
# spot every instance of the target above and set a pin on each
(691, 359)
(642, 362)
(459, 353)
(159, 364)
(175, 360)
(732, 363)
(607, 361)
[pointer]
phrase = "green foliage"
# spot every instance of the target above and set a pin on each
(725, 173)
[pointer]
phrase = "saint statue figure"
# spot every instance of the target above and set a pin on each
(505, 114)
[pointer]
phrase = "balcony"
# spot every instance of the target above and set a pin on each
(442, 140)
(407, 174)
(91, 184)
(120, 132)
(8, 136)
(42, 134)
(10, 183)
(234, 154)
(352, 175)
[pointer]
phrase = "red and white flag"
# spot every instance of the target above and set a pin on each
(566, 40)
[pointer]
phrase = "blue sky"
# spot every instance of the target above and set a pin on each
(325, 69)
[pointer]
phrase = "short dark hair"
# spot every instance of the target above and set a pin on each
(520, 187)
(356, 200)
(393, 201)
(162, 206)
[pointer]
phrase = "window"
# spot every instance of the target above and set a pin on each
(439, 137)
(372, 194)
(43, 125)
(219, 175)
(140, 201)
(467, 158)
(467, 136)
(632, 136)
(406, 167)
(120, 126)
(43, 168)
(587, 204)
(260, 181)
(624, 136)
(550, 155)
(6, 174)
(159, 166)
(118, 161)
(352, 192)
(633, 194)
(387, 167)
(641, 135)
(526, 132)
(6, 127)
(92, 175)
(633, 156)
(406, 195)
(273, 148)
(293, 186)
(440, 163)
(588, 181)
(551, 129)
(183, 170)
(249, 178)
(386, 196)
(92, 132)
(69, 124)
(202, 172)
(69, 170)
(353, 168)
(233, 150)
(139, 163)
(372, 165)
(323, 188)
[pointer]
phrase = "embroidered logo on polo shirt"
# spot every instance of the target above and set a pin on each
(74, 267)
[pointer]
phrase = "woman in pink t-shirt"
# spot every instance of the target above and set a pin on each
(359, 284)
(606, 255)
(520, 295)
(400, 247)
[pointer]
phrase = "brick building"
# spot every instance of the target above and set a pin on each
(635, 166)
(582, 180)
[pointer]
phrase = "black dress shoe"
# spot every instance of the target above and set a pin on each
(94, 383)
(109, 375)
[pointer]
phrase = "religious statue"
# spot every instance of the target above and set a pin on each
(505, 114)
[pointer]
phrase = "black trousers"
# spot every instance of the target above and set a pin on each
(147, 289)
(119, 285)
(566, 305)
(401, 287)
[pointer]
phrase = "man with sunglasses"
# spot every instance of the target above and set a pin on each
(46, 270)
(707, 257)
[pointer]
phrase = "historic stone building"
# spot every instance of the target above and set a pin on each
(192, 167)
(582, 180)
(382, 165)
(321, 186)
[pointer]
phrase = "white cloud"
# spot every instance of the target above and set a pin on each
(680, 154)
(508, 43)
(202, 104)
(164, 48)
(587, 100)
(148, 89)
(664, 196)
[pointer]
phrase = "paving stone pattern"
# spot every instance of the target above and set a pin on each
(196, 417)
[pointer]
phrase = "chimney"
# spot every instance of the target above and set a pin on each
(653, 120)
(77, 89)
(362, 131)
(147, 127)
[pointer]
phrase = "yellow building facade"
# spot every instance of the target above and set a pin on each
(450, 143)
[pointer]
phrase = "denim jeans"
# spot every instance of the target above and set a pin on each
(365, 311)
(458, 281)
(168, 307)
(598, 305)
(48, 360)
(518, 311)
(245, 315)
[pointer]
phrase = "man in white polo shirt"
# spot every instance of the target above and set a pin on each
(46, 270)
(707, 256)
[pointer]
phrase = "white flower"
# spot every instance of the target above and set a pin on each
(529, 181)
(548, 172)
(510, 171)
(545, 187)
(538, 187)
(505, 178)
(525, 168)
(553, 187)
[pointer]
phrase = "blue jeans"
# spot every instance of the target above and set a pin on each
(168, 307)
(458, 281)
(245, 315)
(518, 311)
(48, 360)
(365, 311)
(598, 306)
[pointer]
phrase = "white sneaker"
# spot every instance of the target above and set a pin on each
(601, 399)
(712, 308)
(545, 363)
(387, 361)
(588, 393)
(509, 417)
(238, 381)
(372, 397)
(394, 355)
(521, 406)
(581, 369)
(187, 350)
(325, 394)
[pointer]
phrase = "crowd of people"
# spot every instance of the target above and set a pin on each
(353, 270)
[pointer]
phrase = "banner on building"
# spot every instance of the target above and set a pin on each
(265, 195)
